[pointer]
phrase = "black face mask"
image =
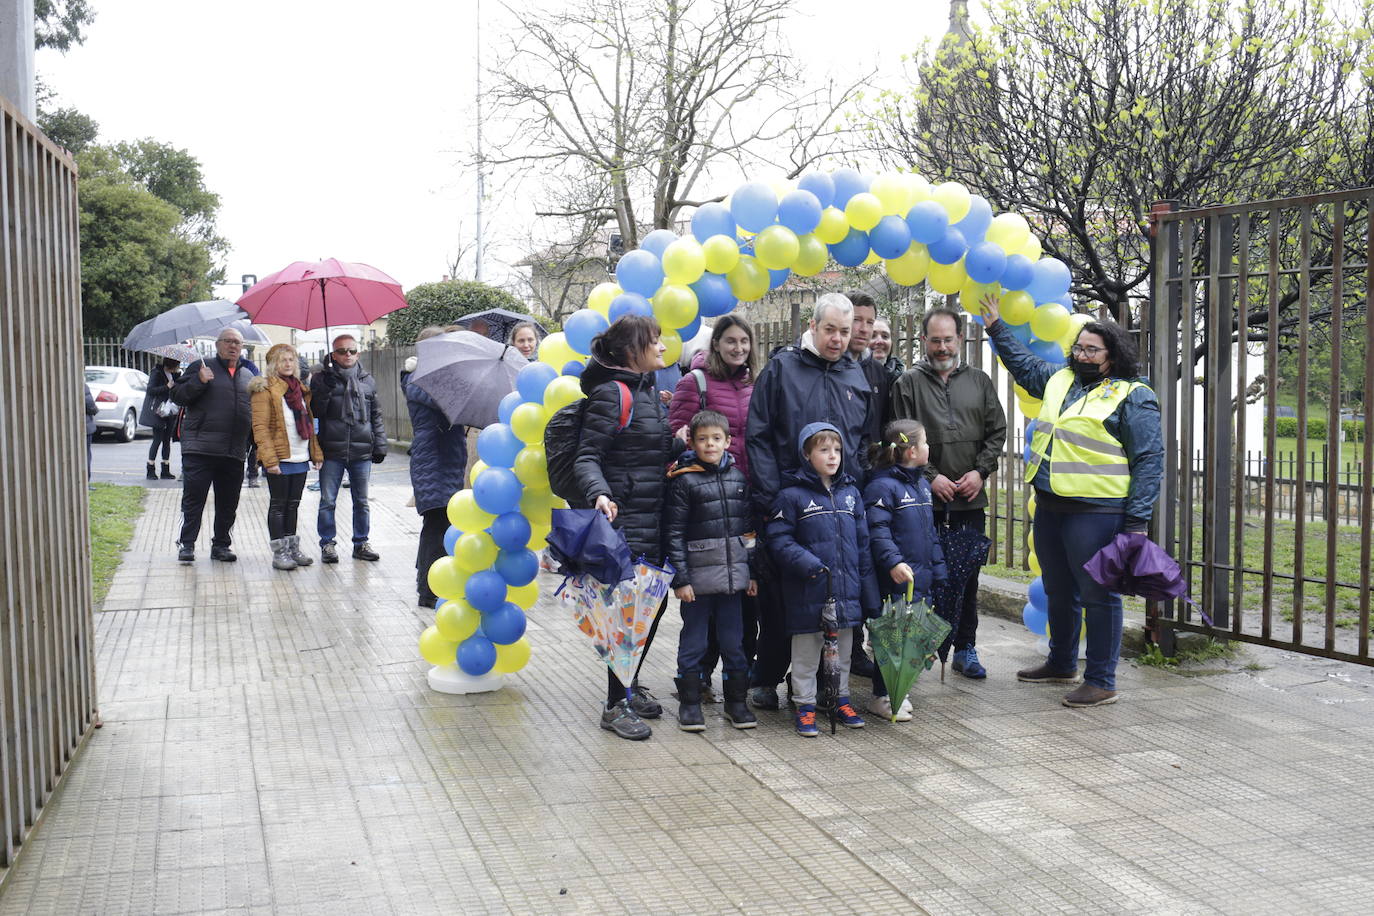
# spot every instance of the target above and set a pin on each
(1086, 373)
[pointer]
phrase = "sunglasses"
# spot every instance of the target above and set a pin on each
(351, 351)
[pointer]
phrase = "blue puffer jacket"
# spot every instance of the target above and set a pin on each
(901, 528)
(1136, 424)
(812, 529)
(438, 452)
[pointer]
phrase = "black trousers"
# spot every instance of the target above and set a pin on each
(198, 474)
(162, 438)
(250, 471)
(615, 691)
(773, 650)
(283, 502)
(432, 531)
(967, 633)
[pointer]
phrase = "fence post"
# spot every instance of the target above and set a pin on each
(1166, 302)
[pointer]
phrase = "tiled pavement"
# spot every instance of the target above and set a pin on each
(270, 746)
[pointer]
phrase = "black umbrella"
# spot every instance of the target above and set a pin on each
(499, 322)
(829, 693)
(966, 550)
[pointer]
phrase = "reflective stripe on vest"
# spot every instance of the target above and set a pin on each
(1085, 460)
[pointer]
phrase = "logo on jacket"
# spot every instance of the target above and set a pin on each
(907, 497)
(849, 502)
(812, 507)
(880, 504)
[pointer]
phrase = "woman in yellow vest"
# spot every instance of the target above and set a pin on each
(1096, 461)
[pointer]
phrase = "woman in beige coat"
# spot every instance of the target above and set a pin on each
(284, 431)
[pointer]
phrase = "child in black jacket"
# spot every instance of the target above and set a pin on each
(708, 539)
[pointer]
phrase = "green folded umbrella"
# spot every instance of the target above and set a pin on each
(905, 638)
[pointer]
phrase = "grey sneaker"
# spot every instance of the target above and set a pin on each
(763, 697)
(329, 553)
(623, 721)
(644, 704)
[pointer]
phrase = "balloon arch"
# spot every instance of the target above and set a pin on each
(737, 251)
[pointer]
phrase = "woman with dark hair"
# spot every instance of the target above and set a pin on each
(161, 420)
(525, 338)
(1097, 458)
(883, 350)
(620, 471)
(722, 379)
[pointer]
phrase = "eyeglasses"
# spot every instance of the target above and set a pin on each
(231, 341)
(350, 351)
(1089, 352)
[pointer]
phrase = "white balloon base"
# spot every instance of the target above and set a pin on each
(448, 679)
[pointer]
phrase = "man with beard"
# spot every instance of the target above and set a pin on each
(966, 428)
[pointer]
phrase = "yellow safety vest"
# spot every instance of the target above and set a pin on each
(1086, 460)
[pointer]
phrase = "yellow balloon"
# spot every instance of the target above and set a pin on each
(812, 256)
(465, 515)
(776, 248)
(1016, 307)
(684, 261)
(536, 506)
(911, 268)
(1030, 505)
(528, 421)
(893, 193)
(538, 541)
(954, 197)
(599, 299)
(675, 306)
(672, 346)
(1008, 230)
(474, 550)
(524, 596)
(1031, 251)
(748, 279)
(561, 392)
(971, 295)
(1034, 562)
(1049, 321)
(532, 467)
(478, 467)
(1076, 322)
(555, 351)
(435, 649)
(872, 259)
(513, 657)
(721, 253)
(457, 620)
(863, 211)
(946, 278)
(917, 187)
(446, 579)
(833, 226)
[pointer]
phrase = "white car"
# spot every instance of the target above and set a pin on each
(119, 393)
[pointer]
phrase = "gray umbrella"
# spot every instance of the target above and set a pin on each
(194, 319)
(467, 375)
(499, 323)
(252, 334)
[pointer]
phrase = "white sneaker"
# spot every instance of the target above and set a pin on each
(882, 706)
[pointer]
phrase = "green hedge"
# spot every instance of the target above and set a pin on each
(1287, 428)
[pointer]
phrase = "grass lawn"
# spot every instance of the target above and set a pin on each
(1286, 450)
(113, 510)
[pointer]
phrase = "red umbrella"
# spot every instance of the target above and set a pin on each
(308, 295)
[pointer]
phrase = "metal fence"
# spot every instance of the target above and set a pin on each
(1273, 297)
(47, 694)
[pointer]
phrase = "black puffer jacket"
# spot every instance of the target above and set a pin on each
(219, 413)
(707, 533)
(627, 465)
(343, 438)
(159, 392)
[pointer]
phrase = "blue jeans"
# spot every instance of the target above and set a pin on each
(725, 613)
(1064, 541)
(331, 475)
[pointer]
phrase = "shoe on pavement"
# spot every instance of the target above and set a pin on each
(622, 720)
(765, 698)
(689, 717)
(847, 715)
(167, 472)
(643, 703)
(223, 554)
(1086, 695)
(281, 554)
(966, 663)
(300, 558)
(364, 551)
(806, 720)
(186, 553)
(329, 553)
(862, 666)
(1044, 674)
(252, 483)
(313, 485)
(882, 706)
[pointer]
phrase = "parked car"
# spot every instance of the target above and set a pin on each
(119, 393)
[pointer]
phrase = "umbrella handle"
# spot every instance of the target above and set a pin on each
(910, 591)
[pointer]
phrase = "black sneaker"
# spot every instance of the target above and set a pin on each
(329, 553)
(223, 554)
(644, 704)
(364, 551)
(186, 553)
(623, 721)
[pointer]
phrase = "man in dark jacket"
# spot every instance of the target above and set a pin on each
(214, 443)
(351, 435)
(966, 427)
(815, 382)
(865, 317)
(91, 410)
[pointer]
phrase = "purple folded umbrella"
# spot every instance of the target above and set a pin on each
(1132, 564)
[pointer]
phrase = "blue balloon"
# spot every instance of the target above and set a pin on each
(639, 271)
(1017, 274)
(581, 326)
(629, 304)
(1035, 619)
(890, 238)
(1049, 351)
(777, 278)
(800, 211)
(497, 445)
(690, 329)
(497, 490)
(533, 379)
(574, 367)
(517, 567)
(451, 537)
(848, 182)
(510, 531)
(1026, 446)
(754, 206)
(656, 242)
(476, 655)
(851, 250)
(1038, 598)
(508, 405)
(975, 223)
(1050, 280)
(1021, 332)
(978, 320)
(819, 184)
(485, 590)
(949, 248)
(927, 222)
(714, 297)
(984, 263)
(504, 625)
(712, 219)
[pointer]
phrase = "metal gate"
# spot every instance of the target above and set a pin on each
(1260, 347)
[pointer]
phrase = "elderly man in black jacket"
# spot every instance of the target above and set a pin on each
(214, 443)
(351, 435)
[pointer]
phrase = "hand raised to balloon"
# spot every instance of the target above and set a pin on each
(991, 314)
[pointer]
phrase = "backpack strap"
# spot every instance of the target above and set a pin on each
(700, 376)
(627, 406)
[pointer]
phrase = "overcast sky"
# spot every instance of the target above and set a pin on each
(335, 129)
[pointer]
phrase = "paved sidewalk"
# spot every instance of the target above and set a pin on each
(270, 746)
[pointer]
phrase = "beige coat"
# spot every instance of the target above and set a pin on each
(269, 423)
